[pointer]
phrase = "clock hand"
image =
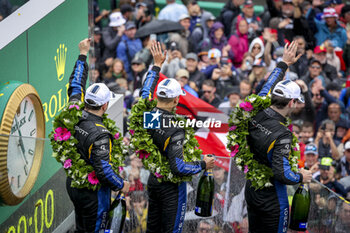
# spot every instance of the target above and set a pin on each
(21, 141)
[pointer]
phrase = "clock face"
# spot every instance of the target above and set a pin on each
(21, 147)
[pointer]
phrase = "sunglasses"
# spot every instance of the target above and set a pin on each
(316, 67)
(207, 91)
(255, 47)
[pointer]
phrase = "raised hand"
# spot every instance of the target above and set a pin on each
(289, 53)
(158, 55)
(84, 46)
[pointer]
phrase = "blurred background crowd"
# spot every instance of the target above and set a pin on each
(221, 59)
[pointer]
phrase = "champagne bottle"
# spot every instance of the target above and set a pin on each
(116, 215)
(300, 208)
(205, 194)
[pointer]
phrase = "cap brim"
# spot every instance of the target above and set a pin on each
(301, 99)
(324, 167)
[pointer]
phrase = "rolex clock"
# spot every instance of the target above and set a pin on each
(22, 133)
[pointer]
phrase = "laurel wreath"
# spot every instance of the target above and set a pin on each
(152, 159)
(259, 174)
(64, 146)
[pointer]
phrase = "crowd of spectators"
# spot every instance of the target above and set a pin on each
(222, 59)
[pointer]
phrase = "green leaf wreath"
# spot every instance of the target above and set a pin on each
(149, 153)
(258, 173)
(64, 147)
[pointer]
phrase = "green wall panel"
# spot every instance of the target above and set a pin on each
(13, 59)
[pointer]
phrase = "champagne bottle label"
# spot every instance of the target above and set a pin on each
(198, 210)
(303, 225)
(108, 231)
(208, 173)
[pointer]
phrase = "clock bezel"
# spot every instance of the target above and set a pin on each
(22, 91)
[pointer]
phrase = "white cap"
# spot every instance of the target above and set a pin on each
(184, 16)
(214, 53)
(169, 88)
(99, 94)
(116, 19)
(347, 145)
(289, 89)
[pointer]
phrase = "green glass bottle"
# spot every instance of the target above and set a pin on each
(300, 208)
(117, 215)
(205, 194)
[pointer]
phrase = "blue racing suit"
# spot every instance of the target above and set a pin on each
(167, 200)
(94, 146)
(268, 208)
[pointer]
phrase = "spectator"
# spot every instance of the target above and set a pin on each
(224, 79)
(326, 177)
(116, 71)
(229, 13)
(234, 98)
(198, 29)
(340, 132)
(275, 8)
(315, 72)
(331, 57)
(301, 66)
(245, 89)
(239, 42)
(139, 70)
(145, 54)
(330, 29)
(307, 132)
(217, 37)
(182, 38)
(98, 16)
(209, 96)
(112, 34)
(98, 45)
(334, 114)
(126, 11)
(325, 142)
(196, 77)
(329, 70)
(320, 99)
(304, 111)
(214, 56)
(246, 67)
(256, 48)
(137, 221)
(206, 226)
(182, 77)
(136, 167)
(128, 47)
(334, 90)
(311, 159)
(254, 22)
(344, 166)
(258, 73)
(342, 224)
(174, 61)
(172, 11)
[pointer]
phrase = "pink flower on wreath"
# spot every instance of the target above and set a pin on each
(132, 131)
(232, 128)
(116, 136)
(158, 175)
(234, 150)
(92, 178)
(121, 169)
(67, 164)
(290, 127)
(143, 154)
(246, 169)
(246, 106)
(295, 149)
(61, 134)
(74, 106)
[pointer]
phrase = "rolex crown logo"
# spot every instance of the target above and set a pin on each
(60, 61)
